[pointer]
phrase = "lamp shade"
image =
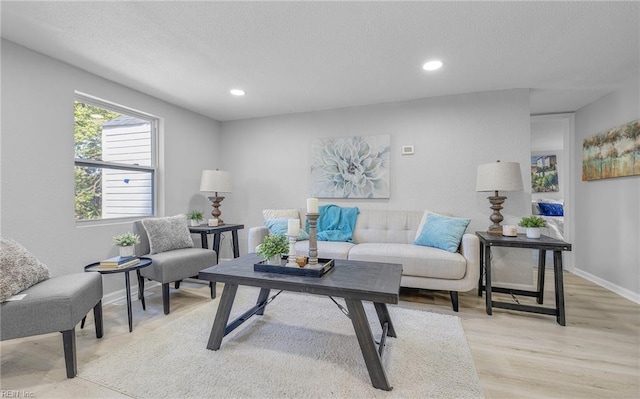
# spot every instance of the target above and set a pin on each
(499, 176)
(218, 181)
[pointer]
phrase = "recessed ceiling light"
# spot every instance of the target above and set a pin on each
(432, 65)
(237, 92)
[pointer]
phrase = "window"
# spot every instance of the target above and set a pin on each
(115, 162)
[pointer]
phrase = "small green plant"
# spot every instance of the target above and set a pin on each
(532, 221)
(196, 215)
(273, 244)
(126, 239)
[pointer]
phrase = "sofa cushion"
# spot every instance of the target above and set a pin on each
(280, 226)
(168, 233)
(19, 269)
(386, 226)
(416, 260)
(442, 232)
(326, 249)
(269, 214)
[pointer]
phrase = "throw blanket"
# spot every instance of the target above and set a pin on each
(336, 223)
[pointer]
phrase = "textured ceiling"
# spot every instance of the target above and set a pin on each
(306, 56)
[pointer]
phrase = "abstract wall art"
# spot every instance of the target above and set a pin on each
(350, 167)
(612, 153)
(544, 174)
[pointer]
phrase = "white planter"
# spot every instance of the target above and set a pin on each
(533, 232)
(127, 251)
(194, 223)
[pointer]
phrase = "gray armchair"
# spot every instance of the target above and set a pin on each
(173, 265)
(52, 305)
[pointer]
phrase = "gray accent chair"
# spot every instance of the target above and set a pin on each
(52, 305)
(172, 266)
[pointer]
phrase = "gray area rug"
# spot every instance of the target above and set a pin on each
(303, 347)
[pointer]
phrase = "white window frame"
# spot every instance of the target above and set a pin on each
(153, 168)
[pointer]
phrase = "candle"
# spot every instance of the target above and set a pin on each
(213, 222)
(293, 227)
(509, 230)
(312, 205)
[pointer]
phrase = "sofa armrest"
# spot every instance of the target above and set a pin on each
(255, 237)
(470, 249)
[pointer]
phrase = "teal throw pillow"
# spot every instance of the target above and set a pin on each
(280, 225)
(442, 232)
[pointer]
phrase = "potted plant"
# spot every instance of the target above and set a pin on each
(532, 225)
(126, 243)
(272, 248)
(195, 217)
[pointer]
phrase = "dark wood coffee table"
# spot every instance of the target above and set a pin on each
(355, 281)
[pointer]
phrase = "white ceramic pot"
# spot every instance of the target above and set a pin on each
(533, 232)
(194, 223)
(127, 251)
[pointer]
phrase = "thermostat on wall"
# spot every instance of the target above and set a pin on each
(407, 150)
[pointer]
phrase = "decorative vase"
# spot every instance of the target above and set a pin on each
(533, 232)
(274, 260)
(127, 251)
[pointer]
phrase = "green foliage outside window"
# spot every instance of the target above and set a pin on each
(88, 145)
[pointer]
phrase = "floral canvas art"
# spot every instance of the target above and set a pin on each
(351, 167)
(612, 153)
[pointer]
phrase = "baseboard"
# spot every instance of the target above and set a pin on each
(623, 292)
(122, 294)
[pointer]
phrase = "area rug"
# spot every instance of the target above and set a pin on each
(303, 347)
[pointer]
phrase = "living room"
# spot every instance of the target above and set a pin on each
(267, 153)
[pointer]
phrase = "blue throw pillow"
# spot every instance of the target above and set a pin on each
(549, 209)
(442, 232)
(281, 225)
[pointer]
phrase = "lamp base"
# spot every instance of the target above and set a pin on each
(215, 203)
(496, 217)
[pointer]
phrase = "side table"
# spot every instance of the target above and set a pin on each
(144, 262)
(542, 244)
(204, 231)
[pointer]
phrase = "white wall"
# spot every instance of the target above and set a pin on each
(37, 203)
(452, 135)
(607, 218)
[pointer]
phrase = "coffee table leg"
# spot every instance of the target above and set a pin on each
(367, 344)
(383, 316)
(264, 294)
(222, 316)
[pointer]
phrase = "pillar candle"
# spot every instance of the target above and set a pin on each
(293, 227)
(312, 205)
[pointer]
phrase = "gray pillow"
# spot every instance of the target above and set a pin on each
(168, 233)
(19, 269)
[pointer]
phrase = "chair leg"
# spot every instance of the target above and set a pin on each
(177, 284)
(97, 316)
(454, 300)
(212, 287)
(165, 297)
(69, 344)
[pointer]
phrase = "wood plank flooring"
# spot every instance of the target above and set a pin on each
(516, 354)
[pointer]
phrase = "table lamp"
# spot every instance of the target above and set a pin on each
(216, 181)
(498, 176)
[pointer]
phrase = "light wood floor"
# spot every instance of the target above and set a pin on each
(516, 354)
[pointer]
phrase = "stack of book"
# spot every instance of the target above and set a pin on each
(118, 262)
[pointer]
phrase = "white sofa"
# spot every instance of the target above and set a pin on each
(388, 236)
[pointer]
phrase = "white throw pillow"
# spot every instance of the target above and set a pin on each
(168, 233)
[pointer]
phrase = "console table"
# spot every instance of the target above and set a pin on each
(542, 244)
(204, 231)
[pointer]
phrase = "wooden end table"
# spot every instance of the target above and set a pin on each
(542, 244)
(144, 262)
(204, 231)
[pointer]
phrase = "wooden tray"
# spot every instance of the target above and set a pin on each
(323, 266)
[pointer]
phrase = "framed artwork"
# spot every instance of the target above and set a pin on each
(350, 167)
(612, 153)
(544, 174)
